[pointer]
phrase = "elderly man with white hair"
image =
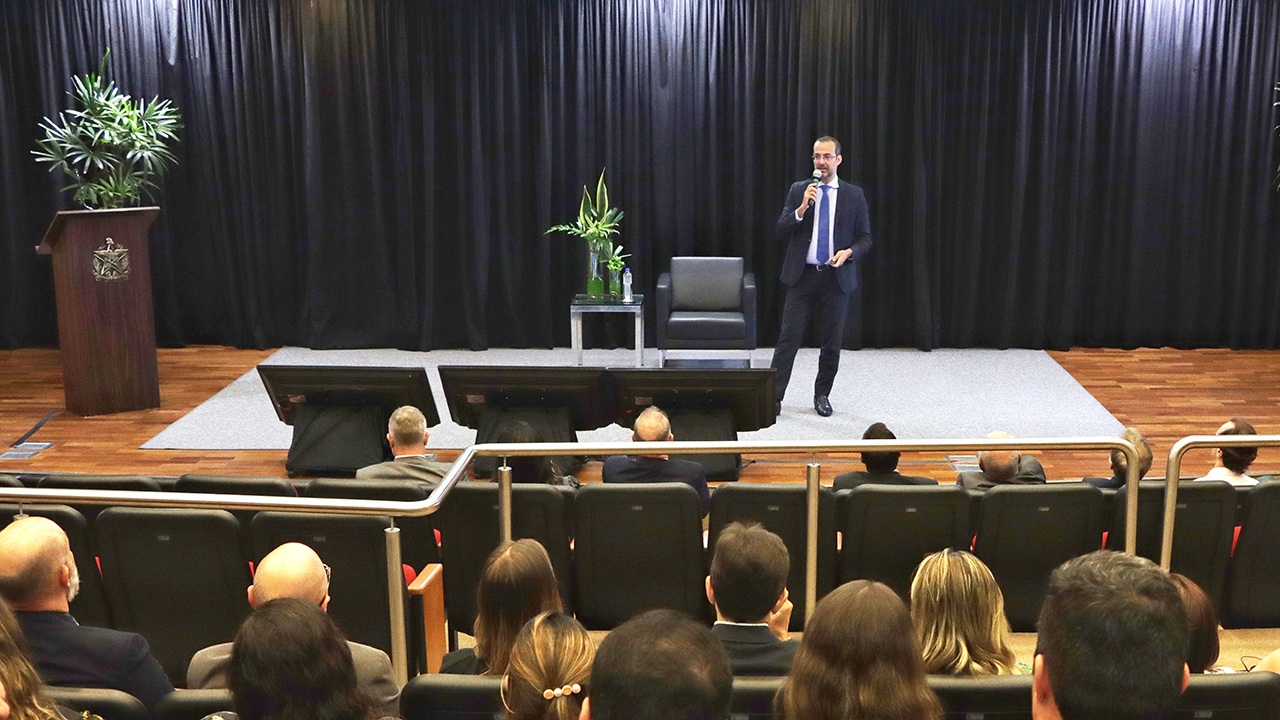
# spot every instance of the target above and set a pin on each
(38, 578)
(1002, 467)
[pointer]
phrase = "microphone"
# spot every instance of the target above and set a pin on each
(817, 175)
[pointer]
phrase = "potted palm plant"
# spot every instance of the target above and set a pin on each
(597, 223)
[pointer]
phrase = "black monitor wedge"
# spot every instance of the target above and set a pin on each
(586, 392)
(390, 387)
(748, 394)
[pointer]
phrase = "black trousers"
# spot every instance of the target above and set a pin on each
(817, 288)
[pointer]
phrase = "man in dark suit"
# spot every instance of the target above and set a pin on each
(652, 425)
(38, 578)
(882, 467)
(407, 434)
(748, 587)
(1002, 467)
(825, 229)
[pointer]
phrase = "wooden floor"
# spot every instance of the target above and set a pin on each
(1166, 393)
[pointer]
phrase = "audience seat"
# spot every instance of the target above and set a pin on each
(638, 547)
(418, 547)
(175, 576)
(1002, 697)
(888, 529)
(10, 481)
(1253, 582)
(90, 606)
(1202, 531)
(452, 697)
(784, 510)
(191, 704)
(1028, 530)
(1239, 696)
(753, 697)
(109, 704)
(76, 481)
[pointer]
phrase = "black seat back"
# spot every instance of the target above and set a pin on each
(418, 546)
(889, 529)
(90, 606)
(177, 577)
(1028, 530)
(1238, 696)
(638, 547)
(1253, 585)
(75, 481)
(469, 533)
(1000, 697)
(782, 509)
(108, 704)
(452, 697)
(191, 704)
(753, 697)
(1203, 529)
(236, 485)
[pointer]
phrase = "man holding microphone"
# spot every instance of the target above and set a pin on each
(825, 230)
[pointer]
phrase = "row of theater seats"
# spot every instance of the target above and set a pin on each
(1243, 696)
(619, 549)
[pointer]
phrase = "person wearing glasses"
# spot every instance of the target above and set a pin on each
(825, 229)
(294, 570)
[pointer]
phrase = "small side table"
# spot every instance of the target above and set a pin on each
(587, 304)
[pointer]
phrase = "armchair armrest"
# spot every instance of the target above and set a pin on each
(429, 585)
(749, 307)
(662, 308)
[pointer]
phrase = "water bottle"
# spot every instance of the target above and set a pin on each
(626, 285)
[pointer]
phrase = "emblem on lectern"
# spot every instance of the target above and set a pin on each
(110, 262)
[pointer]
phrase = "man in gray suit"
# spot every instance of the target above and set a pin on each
(407, 433)
(294, 570)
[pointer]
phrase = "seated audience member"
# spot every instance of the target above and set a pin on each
(652, 425)
(958, 611)
(21, 688)
(1202, 620)
(1120, 463)
(859, 658)
(1233, 462)
(1112, 641)
(748, 587)
(882, 467)
(294, 570)
(549, 669)
(1002, 467)
(660, 665)
(517, 584)
(540, 469)
(290, 661)
(407, 434)
(38, 578)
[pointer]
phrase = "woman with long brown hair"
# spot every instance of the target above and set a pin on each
(549, 669)
(517, 583)
(22, 689)
(859, 660)
(958, 611)
(1202, 616)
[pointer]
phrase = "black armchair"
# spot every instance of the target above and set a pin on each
(706, 303)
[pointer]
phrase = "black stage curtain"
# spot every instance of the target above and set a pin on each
(363, 173)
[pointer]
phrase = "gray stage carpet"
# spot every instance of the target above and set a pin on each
(938, 394)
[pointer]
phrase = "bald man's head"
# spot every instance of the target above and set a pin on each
(292, 570)
(37, 570)
(652, 425)
(999, 465)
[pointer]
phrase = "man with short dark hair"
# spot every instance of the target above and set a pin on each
(661, 665)
(1002, 467)
(38, 578)
(1112, 641)
(652, 425)
(407, 434)
(748, 588)
(1233, 462)
(882, 467)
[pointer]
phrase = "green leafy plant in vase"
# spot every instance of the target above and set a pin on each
(596, 223)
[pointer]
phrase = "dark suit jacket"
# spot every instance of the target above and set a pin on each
(414, 467)
(753, 650)
(866, 477)
(852, 229)
(625, 469)
(1030, 472)
(69, 654)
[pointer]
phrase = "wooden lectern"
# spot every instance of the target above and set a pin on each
(106, 329)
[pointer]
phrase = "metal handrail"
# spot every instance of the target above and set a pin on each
(1173, 466)
(455, 473)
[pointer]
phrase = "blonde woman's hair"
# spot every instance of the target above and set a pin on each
(958, 611)
(553, 651)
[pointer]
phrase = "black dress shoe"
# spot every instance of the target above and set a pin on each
(822, 405)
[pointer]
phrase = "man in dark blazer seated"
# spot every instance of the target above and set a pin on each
(825, 229)
(748, 587)
(407, 434)
(652, 425)
(38, 578)
(882, 467)
(1002, 467)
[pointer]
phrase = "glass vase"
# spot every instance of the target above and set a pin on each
(615, 284)
(595, 275)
